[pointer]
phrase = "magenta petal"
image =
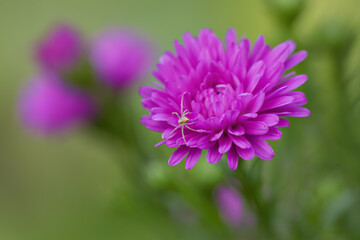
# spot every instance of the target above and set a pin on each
(269, 119)
(299, 98)
(161, 117)
(173, 121)
(255, 127)
(262, 148)
(192, 158)
(256, 103)
(173, 142)
(178, 155)
(231, 39)
(218, 108)
(279, 53)
(166, 133)
(229, 117)
(194, 140)
(240, 141)
(148, 104)
(277, 102)
(255, 73)
(211, 123)
(213, 155)
(146, 91)
(246, 153)
(233, 158)
(293, 111)
(272, 76)
(295, 59)
(204, 142)
(293, 83)
(158, 126)
(283, 123)
(259, 44)
(273, 134)
(224, 144)
(291, 46)
(236, 130)
(160, 143)
(216, 136)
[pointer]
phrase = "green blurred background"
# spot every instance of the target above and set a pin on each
(72, 187)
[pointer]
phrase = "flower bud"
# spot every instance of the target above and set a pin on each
(121, 57)
(47, 105)
(60, 49)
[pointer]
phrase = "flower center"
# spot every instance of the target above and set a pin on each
(214, 101)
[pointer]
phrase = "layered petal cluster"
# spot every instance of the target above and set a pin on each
(121, 57)
(60, 49)
(48, 106)
(224, 99)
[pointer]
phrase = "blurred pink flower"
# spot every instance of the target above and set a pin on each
(48, 106)
(121, 57)
(230, 205)
(60, 49)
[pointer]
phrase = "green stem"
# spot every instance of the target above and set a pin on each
(252, 191)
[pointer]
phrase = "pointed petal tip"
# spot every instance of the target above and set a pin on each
(304, 52)
(233, 166)
(307, 112)
(231, 30)
(160, 143)
(213, 156)
(188, 167)
(192, 158)
(178, 155)
(267, 159)
(261, 38)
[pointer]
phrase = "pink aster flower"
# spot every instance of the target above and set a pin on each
(228, 101)
(60, 49)
(121, 57)
(48, 106)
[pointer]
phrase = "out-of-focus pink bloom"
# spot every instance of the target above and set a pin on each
(48, 106)
(60, 49)
(230, 205)
(121, 57)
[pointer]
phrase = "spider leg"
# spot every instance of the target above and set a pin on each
(189, 127)
(183, 135)
(172, 131)
(182, 102)
(176, 114)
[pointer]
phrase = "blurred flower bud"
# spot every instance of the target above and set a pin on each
(335, 35)
(60, 49)
(205, 175)
(156, 175)
(48, 106)
(121, 57)
(230, 205)
(286, 10)
(180, 209)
